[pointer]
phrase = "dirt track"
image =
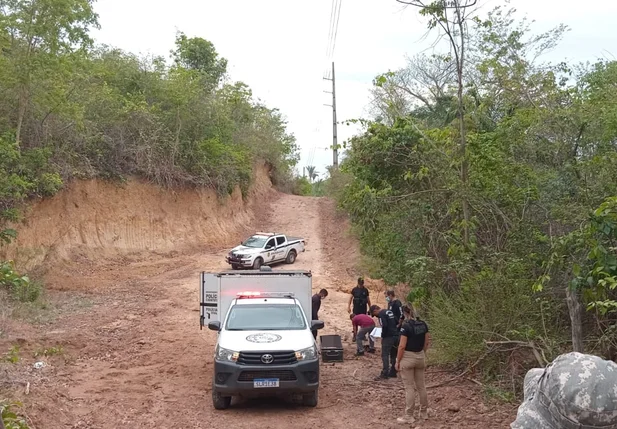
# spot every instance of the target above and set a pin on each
(134, 356)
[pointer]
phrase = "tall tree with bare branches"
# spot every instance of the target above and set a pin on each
(451, 18)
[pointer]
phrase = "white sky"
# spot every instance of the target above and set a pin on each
(278, 47)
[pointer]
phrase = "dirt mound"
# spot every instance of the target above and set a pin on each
(97, 218)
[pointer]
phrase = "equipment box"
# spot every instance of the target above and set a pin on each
(331, 348)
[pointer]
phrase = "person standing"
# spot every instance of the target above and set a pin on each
(389, 340)
(360, 299)
(411, 362)
(395, 305)
(315, 306)
(366, 324)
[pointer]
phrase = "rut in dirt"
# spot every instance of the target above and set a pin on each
(138, 358)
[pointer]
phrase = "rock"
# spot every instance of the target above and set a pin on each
(482, 409)
(454, 408)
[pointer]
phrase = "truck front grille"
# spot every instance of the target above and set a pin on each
(279, 358)
(282, 375)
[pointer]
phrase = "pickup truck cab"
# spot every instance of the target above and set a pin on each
(264, 346)
(265, 248)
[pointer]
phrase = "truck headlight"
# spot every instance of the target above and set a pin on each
(307, 354)
(225, 355)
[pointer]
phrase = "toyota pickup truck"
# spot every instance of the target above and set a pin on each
(265, 248)
(264, 344)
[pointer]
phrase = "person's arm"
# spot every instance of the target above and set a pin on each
(383, 321)
(427, 342)
(349, 303)
(401, 348)
(355, 327)
(368, 298)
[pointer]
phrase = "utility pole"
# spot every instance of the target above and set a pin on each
(334, 130)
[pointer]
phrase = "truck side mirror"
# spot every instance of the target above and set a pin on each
(315, 324)
(214, 325)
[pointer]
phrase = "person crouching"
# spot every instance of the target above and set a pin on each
(366, 325)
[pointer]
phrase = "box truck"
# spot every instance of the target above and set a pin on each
(264, 344)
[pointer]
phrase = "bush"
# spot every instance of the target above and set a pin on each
(20, 287)
(10, 418)
(302, 186)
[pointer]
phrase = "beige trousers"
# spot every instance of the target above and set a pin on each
(412, 373)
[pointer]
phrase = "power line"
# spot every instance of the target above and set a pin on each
(335, 14)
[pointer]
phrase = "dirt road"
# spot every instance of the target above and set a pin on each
(133, 355)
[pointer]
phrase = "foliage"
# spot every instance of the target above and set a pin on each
(542, 154)
(20, 287)
(10, 418)
(12, 356)
(74, 110)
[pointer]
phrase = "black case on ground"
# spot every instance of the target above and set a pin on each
(331, 348)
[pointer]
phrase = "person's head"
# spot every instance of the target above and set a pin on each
(389, 295)
(407, 312)
(565, 394)
(323, 293)
(351, 316)
(361, 281)
(374, 310)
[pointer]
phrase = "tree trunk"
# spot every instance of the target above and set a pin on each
(575, 308)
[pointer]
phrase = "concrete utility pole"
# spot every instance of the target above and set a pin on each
(334, 130)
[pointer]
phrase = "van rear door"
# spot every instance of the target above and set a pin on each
(209, 298)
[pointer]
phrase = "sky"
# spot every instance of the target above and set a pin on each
(278, 48)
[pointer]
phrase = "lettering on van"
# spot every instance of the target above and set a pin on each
(211, 304)
(263, 338)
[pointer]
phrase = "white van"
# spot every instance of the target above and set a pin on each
(265, 346)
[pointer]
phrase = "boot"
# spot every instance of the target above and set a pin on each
(423, 413)
(381, 376)
(392, 373)
(359, 353)
(406, 419)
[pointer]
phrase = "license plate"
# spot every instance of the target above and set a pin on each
(266, 382)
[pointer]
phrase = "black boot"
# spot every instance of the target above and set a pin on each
(392, 373)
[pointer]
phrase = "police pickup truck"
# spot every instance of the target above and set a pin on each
(265, 248)
(264, 344)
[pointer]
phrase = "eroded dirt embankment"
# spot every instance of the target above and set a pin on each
(102, 219)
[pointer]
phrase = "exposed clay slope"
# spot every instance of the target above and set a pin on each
(102, 218)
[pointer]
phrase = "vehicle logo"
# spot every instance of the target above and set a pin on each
(267, 359)
(263, 338)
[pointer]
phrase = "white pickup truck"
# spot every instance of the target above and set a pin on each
(264, 344)
(265, 248)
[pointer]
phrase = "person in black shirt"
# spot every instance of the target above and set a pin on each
(389, 340)
(360, 299)
(411, 362)
(316, 305)
(394, 304)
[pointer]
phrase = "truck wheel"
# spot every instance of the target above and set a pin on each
(258, 263)
(234, 266)
(310, 399)
(220, 402)
(291, 257)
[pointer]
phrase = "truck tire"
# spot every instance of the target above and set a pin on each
(310, 399)
(258, 263)
(291, 257)
(220, 402)
(234, 266)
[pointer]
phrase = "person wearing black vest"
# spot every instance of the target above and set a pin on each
(395, 305)
(389, 340)
(411, 362)
(360, 299)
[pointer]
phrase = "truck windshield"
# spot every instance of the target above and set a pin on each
(255, 241)
(260, 317)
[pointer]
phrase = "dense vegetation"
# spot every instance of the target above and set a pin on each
(503, 225)
(71, 109)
